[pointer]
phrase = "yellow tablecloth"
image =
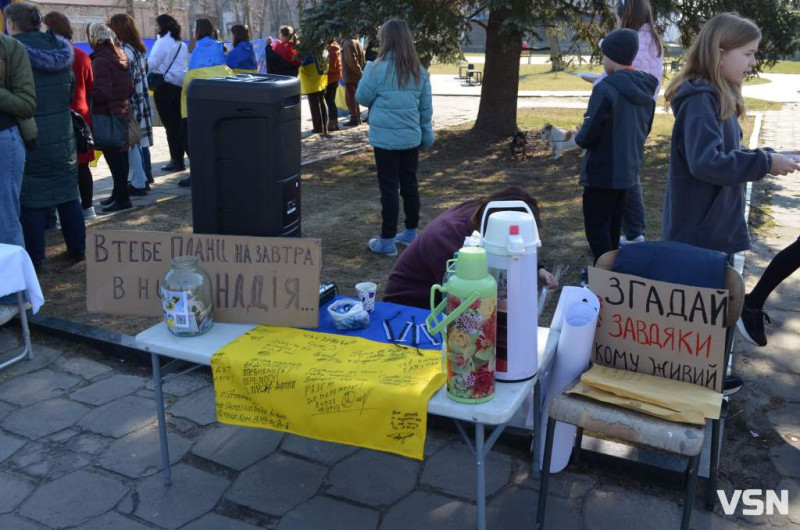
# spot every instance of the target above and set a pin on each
(329, 387)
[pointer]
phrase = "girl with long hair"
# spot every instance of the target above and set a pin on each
(242, 58)
(397, 89)
(168, 57)
(705, 199)
(638, 16)
(207, 60)
(139, 172)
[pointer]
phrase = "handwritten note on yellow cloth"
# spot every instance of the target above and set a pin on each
(329, 387)
(693, 402)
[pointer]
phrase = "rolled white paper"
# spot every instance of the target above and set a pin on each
(576, 317)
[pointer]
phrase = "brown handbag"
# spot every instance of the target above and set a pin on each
(134, 130)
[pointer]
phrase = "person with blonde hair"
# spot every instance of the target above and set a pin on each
(705, 199)
(397, 90)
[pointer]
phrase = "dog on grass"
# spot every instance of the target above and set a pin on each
(560, 140)
(519, 144)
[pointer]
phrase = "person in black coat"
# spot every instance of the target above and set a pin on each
(614, 130)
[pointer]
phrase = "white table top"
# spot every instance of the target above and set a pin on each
(500, 409)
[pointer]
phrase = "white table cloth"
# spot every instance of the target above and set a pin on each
(17, 274)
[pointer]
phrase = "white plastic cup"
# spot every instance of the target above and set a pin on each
(366, 293)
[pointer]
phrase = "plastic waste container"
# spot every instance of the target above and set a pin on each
(244, 132)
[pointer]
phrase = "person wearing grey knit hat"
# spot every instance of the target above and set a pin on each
(621, 46)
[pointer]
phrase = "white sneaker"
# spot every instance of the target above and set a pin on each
(7, 312)
(624, 241)
(89, 213)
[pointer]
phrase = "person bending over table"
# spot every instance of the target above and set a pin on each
(424, 261)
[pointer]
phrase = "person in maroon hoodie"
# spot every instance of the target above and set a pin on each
(424, 261)
(112, 89)
(84, 83)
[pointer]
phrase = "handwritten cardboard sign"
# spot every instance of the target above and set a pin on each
(255, 280)
(658, 328)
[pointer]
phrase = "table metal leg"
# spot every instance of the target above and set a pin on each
(537, 419)
(480, 469)
(27, 349)
(162, 421)
(480, 449)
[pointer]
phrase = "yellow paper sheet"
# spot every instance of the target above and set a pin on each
(692, 417)
(329, 387)
(667, 393)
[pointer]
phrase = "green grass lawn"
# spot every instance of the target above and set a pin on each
(539, 76)
(784, 67)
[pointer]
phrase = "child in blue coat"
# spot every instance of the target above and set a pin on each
(397, 89)
(614, 130)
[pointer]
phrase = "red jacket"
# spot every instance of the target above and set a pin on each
(84, 84)
(334, 63)
(286, 51)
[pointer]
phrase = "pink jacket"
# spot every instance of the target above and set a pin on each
(647, 60)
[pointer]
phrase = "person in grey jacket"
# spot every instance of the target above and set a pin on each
(397, 90)
(708, 168)
(615, 127)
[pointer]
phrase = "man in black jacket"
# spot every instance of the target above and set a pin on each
(614, 130)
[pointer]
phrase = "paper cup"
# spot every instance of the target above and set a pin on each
(366, 293)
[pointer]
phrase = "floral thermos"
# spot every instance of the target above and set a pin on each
(471, 327)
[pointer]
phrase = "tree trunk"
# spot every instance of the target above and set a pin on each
(497, 113)
(556, 63)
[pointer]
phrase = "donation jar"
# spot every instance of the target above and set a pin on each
(469, 327)
(186, 298)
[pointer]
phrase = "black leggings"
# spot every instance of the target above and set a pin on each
(330, 101)
(781, 267)
(397, 169)
(602, 218)
(85, 185)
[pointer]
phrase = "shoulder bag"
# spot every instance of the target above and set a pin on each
(83, 134)
(155, 80)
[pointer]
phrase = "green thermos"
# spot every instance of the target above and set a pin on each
(469, 327)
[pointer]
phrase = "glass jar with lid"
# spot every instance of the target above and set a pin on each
(186, 298)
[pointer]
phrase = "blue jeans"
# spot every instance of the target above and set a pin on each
(136, 172)
(72, 228)
(12, 153)
(633, 214)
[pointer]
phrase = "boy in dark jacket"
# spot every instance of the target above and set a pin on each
(614, 130)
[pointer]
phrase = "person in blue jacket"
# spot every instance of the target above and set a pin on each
(615, 127)
(708, 168)
(242, 58)
(397, 90)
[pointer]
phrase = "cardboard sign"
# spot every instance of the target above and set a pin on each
(255, 280)
(658, 328)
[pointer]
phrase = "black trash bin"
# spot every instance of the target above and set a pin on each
(244, 131)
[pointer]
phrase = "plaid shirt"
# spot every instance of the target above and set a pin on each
(140, 100)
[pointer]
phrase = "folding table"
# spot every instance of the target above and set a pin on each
(496, 413)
